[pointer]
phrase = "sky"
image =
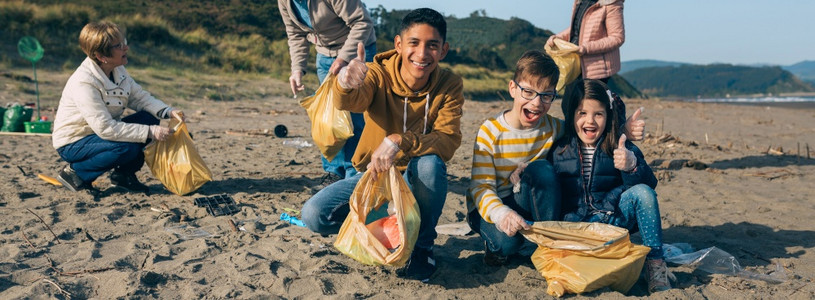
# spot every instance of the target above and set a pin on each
(745, 32)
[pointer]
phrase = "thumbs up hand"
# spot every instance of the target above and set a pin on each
(634, 127)
(353, 75)
(624, 159)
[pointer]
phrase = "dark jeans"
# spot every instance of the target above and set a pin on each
(92, 156)
(538, 200)
(426, 176)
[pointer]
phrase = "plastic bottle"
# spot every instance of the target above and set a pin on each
(297, 143)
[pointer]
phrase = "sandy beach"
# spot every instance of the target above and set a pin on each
(736, 177)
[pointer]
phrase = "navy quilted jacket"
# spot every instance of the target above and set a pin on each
(606, 184)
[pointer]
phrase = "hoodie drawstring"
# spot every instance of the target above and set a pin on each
(426, 108)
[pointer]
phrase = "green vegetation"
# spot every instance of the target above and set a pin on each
(247, 37)
(718, 80)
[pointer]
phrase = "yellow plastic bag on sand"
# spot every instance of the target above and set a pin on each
(577, 257)
(568, 62)
(175, 161)
(356, 240)
(330, 127)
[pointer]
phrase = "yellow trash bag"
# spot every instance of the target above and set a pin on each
(568, 62)
(330, 127)
(175, 161)
(577, 257)
(356, 239)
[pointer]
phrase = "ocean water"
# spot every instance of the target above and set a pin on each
(759, 100)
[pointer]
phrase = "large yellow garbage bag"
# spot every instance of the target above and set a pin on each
(330, 127)
(175, 161)
(355, 238)
(577, 257)
(568, 62)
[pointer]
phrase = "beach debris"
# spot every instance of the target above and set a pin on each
(49, 179)
(459, 229)
(773, 174)
(188, 232)
(298, 143)
(775, 151)
(232, 225)
(278, 112)
(291, 211)
(252, 132)
(696, 165)
(43, 223)
(292, 220)
(281, 131)
(218, 205)
(717, 261)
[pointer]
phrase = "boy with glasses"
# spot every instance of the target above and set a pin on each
(512, 182)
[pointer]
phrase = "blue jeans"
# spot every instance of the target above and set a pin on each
(341, 164)
(426, 176)
(638, 208)
(538, 200)
(92, 156)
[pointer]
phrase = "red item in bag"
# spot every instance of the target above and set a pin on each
(386, 230)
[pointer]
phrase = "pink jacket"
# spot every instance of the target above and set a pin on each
(601, 35)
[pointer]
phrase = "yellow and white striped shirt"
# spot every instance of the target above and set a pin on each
(497, 151)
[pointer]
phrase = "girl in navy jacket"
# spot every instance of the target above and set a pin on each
(604, 178)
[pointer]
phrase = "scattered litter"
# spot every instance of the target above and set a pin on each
(281, 131)
(159, 210)
(716, 261)
(218, 205)
(186, 232)
(773, 174)
(297, 143)
(460, 229)
(292, 211)
(292, 220)
(251, 132)
(49, 179)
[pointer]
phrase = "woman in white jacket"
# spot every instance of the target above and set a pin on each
(90, 132)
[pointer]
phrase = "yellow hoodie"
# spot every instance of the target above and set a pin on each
(432, 127)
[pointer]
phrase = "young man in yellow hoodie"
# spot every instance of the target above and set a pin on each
(412, 114)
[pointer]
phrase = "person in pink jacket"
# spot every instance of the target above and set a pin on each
(597, 28)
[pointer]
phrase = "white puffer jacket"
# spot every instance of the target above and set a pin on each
(92, 104)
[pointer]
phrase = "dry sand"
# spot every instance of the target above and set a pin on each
(753, 204)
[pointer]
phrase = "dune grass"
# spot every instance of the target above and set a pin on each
(157, 47)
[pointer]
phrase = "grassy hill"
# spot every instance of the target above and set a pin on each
(246, 36)
(804, 70)
(717, 80)
(632, 65)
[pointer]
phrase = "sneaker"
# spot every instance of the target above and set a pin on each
(67, 176)
(327, 179)
(493, 259)
(127, 181)
(657, 275)
(420, 267)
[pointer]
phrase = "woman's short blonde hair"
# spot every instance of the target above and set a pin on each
(97, 38)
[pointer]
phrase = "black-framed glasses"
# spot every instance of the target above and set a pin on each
(530, 94)
(120, 45)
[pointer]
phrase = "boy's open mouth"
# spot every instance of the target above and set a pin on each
(531, 115)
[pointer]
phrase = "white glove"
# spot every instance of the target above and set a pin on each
(624, 159)
(296, 82)
(382, 158)
(353, 75)
(515, 177)
(507, 220)
(158, 133)
(177, 114)
(634, 127)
